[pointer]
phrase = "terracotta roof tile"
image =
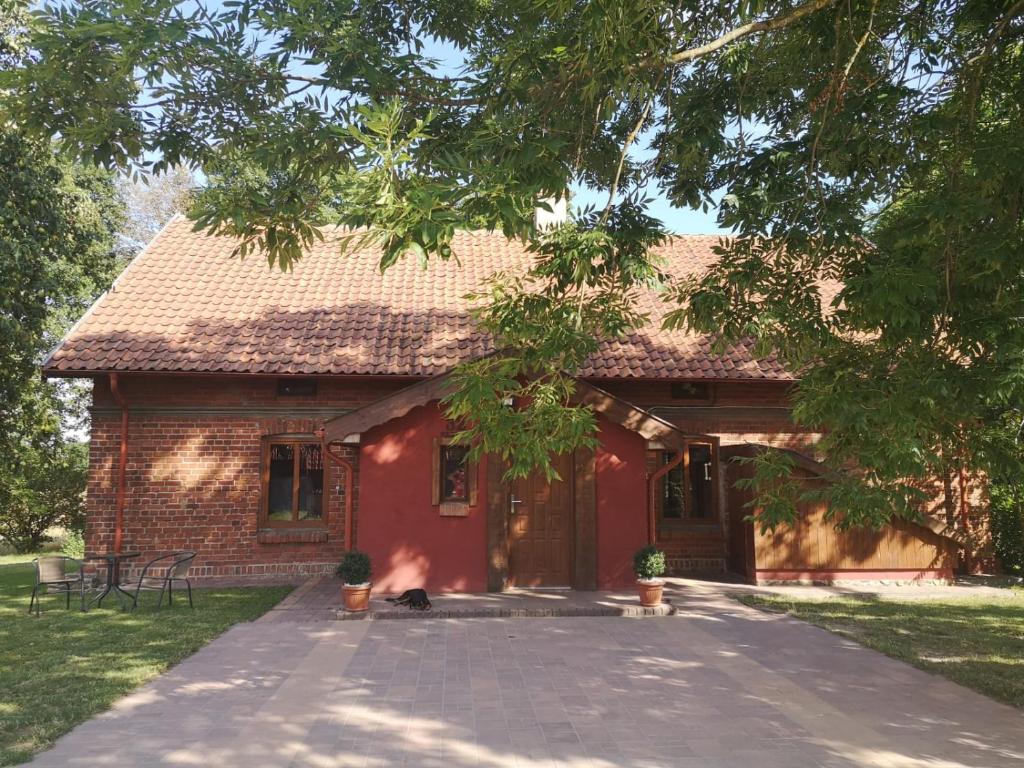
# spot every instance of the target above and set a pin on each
(186, 305)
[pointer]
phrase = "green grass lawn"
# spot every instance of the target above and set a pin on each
(976, 642)
(66, 666)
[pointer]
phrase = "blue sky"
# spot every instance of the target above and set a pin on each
(683, 221)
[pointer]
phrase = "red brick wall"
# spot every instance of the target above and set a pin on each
(194, 467)
(195, 484)
(193, 476)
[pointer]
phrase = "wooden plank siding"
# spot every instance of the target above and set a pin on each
(813, 549)
(814, 544)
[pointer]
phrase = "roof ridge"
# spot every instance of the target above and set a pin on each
(498, 233)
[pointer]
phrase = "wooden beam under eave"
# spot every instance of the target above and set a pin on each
(630, 416)
(354, 423)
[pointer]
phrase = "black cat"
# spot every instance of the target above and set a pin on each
(414, 598)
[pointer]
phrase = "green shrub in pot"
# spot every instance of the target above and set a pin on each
(355, 567)
(649, 563)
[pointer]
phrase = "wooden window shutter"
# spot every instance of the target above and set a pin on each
(435, 464)
(471, 475)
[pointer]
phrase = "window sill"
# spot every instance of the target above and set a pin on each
(291, 535)
(454, 509)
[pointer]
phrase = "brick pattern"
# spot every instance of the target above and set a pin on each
(195, 484)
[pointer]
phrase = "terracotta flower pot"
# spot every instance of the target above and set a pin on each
(650, 592)
(356, 597)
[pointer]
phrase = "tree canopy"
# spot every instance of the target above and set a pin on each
(57, 223)
(870, 145)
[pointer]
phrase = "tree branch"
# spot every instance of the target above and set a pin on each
(624, 154)
(753, 28)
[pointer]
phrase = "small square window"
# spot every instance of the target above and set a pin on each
(296, 387)
(454, 473)
(690, 390)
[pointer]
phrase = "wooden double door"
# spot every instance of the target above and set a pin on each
(540, 530)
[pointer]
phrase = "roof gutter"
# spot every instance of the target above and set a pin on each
(325, 450)
(122, 466)
(652, 489)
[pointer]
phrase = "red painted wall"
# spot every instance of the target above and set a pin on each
(410, 544)
(621, 503)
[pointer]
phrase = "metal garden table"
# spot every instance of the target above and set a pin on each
(113, 561)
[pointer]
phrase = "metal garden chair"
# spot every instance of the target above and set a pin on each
(159, 574)
(51, 571)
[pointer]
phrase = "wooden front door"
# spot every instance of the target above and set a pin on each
(540, 529)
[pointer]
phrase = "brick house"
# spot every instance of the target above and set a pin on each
(270, 420)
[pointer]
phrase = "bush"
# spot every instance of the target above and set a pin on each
(649, 563)
(355, 567)
(73, 545)
(44, 489)
(1007, 509)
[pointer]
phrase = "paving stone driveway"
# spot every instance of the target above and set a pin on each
(719, 686)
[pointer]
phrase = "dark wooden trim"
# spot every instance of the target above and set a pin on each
(585, 508)
(387, 408)
(632, 417)
(435, 471)
(473, 481)
(682, 412)
(749, 450)
(497, 525)
(451, 507)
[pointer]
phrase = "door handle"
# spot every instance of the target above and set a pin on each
(707, 470)
(512, 504)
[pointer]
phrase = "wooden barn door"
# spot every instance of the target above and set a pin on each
(540, 529)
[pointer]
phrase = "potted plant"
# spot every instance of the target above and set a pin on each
(354, 570)
(649, 565)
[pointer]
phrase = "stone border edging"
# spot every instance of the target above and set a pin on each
(626, 611)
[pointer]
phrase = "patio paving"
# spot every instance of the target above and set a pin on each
(319, 599)
(718, 685)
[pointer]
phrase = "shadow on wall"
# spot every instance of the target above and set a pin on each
(194, 482)
(216, 501)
